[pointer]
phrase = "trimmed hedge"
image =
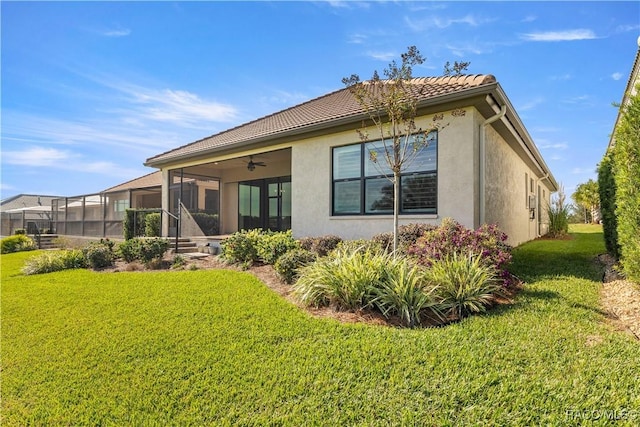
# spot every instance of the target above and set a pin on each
(607, 190)
(626, 169)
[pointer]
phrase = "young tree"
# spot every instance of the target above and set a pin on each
(588, 196)
(391, 106)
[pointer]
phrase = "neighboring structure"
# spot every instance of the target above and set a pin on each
(25, 211)
(305, 169)
(101, 214)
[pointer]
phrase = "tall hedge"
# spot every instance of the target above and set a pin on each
(626, 169)
(607, 189)
(134, 224)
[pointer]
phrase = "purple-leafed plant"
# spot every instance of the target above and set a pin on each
(453, 238)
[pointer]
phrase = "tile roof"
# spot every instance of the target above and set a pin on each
(153, 179)
(25, 200)
(323, 110)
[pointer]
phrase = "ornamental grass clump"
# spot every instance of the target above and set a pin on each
(16, 243)
(345, 278)
(405, 291)
(463, 285)
(50, 261)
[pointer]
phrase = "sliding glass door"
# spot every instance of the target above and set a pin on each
(265, 204)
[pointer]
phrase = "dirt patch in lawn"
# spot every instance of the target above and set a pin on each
(620, 298)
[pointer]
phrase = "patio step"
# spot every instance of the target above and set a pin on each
(47, 241)
(185, 245)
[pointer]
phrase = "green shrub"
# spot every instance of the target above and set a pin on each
(288, 264)
(607, 190)
(320, 245)
(271, 246)
(626, 168)
(145, 250)
(16, 243)
(407, 236)
(50, 261)
(152, 250)
(152, 223)
(345, 278)
(241, 247)
(18, 231)
(178, 261)
(74, 258)
(129, 250)
(463, 285)
(404, 291)
(100, 254)
(208, 223)
(134, 223)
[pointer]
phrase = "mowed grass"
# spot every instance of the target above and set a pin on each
(220, 348)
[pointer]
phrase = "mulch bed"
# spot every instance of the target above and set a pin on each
(620, 298)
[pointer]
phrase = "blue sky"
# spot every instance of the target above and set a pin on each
(90, 90)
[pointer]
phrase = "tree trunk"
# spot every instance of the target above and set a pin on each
(396, 209)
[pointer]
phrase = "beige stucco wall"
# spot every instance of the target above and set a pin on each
(457, 182)
(507, 191)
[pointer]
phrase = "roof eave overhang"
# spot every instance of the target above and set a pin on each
(432, 104)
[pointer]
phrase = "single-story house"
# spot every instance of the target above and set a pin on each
(101, 214)
(25, 211)
(306, 169)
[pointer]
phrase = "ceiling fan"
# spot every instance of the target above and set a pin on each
(251, 165)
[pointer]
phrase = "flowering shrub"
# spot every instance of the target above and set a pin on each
(452, 238)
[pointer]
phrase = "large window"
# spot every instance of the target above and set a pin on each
(360, 186)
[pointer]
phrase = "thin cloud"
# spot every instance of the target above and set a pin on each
(581, 100)
(529, 18)
(46, 157)
(626, 28)
(616, 76)
(419, 25)
(180, 107)
(121, 32)
(556, 146)
(581, 171)
(462, 50)
(531, 104)
(382, 56)
(357, 38)
(562, 77)
(557, 36)
(176, 106)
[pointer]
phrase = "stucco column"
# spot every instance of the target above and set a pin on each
(166, 219)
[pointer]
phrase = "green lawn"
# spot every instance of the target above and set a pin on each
(218, 347)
